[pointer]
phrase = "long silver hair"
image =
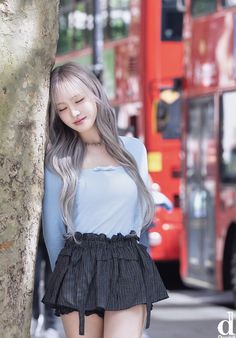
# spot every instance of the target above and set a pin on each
(65, 148)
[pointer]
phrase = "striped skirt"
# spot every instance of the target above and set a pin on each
(97, 273)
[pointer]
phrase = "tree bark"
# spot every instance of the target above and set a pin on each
(28, 37)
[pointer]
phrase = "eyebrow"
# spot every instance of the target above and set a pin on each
(70, 99)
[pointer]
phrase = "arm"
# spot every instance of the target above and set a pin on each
(138, 150)
(143, 170)
(143, 166)
(142, 163)
(53, 227)
(141, 158)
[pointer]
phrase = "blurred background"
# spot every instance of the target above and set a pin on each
(169, 70)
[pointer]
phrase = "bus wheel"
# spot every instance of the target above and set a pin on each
(233, 273)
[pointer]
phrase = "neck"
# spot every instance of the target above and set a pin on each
(91, 137)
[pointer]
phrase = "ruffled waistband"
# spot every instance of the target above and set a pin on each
(80, 237)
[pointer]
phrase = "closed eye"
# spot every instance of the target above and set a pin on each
(79, 100)
(60, 110)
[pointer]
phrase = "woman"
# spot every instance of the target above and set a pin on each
(96, 202)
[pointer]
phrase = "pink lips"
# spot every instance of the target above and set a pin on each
(80, 120)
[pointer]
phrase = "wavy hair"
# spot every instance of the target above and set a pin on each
(66, 149)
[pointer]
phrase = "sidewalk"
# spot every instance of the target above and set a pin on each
(40, 333)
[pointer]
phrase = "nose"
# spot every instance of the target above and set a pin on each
(75, 112)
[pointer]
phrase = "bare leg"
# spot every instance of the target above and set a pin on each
(125, 323)
(93, 325)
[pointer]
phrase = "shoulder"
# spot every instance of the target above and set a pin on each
(133, 144)
(136, 147)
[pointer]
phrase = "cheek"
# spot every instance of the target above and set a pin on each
(63, 117)
(91, 108)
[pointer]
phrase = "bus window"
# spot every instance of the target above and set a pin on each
(172, 21)
(228, 3)
(193, 144)
(200, 140)
(228, 137)
(201, 7)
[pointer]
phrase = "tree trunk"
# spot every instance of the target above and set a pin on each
(28, 36)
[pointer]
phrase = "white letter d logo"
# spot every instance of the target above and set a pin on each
(229, 324)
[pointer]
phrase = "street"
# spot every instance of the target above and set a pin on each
(188, 313)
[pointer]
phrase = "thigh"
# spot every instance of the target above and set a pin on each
(125, 323)
(93, 325)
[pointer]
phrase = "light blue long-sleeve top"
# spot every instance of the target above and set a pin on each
(106, 201)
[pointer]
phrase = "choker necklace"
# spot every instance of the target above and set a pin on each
(94, 143)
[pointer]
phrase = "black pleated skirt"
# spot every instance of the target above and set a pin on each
(97, 273)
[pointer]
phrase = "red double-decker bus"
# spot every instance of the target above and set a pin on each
(142, 64)
(209, 145)
(162, 69)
